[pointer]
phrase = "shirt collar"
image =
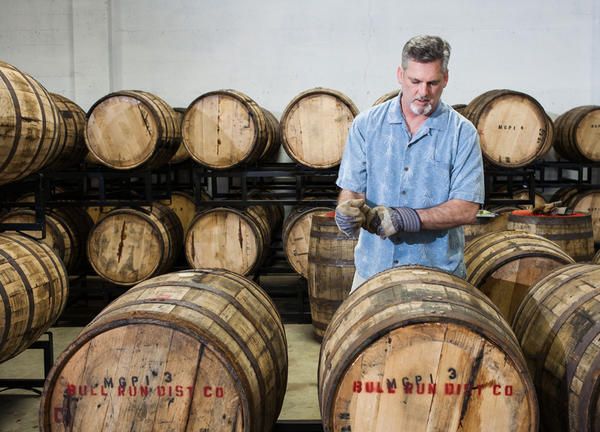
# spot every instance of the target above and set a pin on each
(437, 120)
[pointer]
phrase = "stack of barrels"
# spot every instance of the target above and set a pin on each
(40, 130)
(206, 349)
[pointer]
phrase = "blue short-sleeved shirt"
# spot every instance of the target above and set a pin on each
(441, 162)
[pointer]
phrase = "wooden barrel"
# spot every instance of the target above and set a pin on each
(67, 229)
(315, 127)
(195, 350)
(33, 292)
(588, 201)
(523, 194)
(513, 127)
(71, 147)
(132, 129)
(330, 270)
(573, 233)
(505, 264)
(557, 325)
(295, 235)
(459, 108)
(130, 245)
(416, 349)
(578, 134)
(181, 155)
(30, 125)
(564, 194)
(226, 128)
(484, 225)
(233, 239)
(386, 97)
(184, 206)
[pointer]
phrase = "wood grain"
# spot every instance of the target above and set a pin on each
(132, 129)
(578, 133)
(295, 235)
(33, 292)
(315, 127)
(572, 233)
(557, 326)
(30, 125)
(514, 130)
(129, 245)
(71, 147)
(195, 350)
(226, 128)
(504, 264)
(67, 229)
(330, 270)
(418, 349)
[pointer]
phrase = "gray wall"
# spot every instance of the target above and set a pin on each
(274, 49)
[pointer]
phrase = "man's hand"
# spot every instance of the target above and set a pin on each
(388, 221)
(350, 215)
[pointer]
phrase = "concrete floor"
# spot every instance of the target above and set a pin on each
(19, 409)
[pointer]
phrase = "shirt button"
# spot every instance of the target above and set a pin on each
(403, 192)
(395, 261)
(405, 168)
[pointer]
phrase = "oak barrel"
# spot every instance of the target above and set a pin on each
(330, 270)
(484, 225)
(66, 233)
(295, 235)
(514, 130)
(503, 265)
(459, 108)
(226, 128)
(419, 349)
(386, 97)
(233, 239)
(183, 204)
(33, 292)
(195, 350)
(129, 245)
(558, 327)
(30, 125)
(71, 147)
(573, 233)
(315, 127)
(132, 129)
(578, 134)
(588, 201)
(181, 155)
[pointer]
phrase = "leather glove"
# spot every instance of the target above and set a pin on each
(388, 221)
(350, 215)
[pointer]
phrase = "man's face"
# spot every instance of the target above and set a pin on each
(422, 85)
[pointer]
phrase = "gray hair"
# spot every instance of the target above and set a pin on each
(426, 49)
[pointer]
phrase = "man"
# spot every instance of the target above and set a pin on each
(417, 164)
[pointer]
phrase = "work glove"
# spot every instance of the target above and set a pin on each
(350, 215)
(388, 221)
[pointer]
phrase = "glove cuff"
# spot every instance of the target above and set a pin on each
(411, 222)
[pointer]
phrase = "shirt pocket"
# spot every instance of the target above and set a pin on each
(436, 182)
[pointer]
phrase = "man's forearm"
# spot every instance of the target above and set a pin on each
(448, 215)
(346, 195)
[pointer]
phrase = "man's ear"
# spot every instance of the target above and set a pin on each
(400, 74)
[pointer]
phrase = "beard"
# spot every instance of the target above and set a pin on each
(421, 110)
